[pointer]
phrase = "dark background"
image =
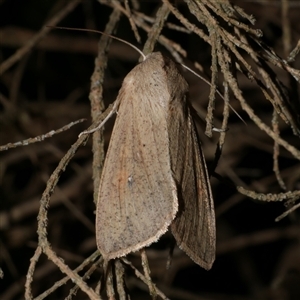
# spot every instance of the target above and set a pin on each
(257, 258)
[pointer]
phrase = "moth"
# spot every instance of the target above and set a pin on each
(154, 175)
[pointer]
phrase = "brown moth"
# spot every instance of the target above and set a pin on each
(155, 175)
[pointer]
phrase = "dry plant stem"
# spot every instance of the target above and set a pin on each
(42, 216)
(142, 17)
(248, 72)
(231, 42)
(225, 115)
(237, 93)
(116, 5)
(287, 212)
(221, 141)
(63, 281)
(252, 75)
(226, 7)
(65, 269)
(177, 28)
(171, 46)
(168, 44)
(213, 85)
(239, 197)
(96, 98)
(143, 278)
(71, 274)
(120, 282)
(214, 6)
(276, 152)
(40, 137)
(109, 280)
(186, 23)
(268, 55)
(31, 269)
(241, 12)
(203, 15)
(294, 72)
(153, 35)
(98, 287)
(44, 31)
(294, 52)
(87, 275)
(279, 99)
(131, 21)
(294, 195)
(147, 272)
(265, 53)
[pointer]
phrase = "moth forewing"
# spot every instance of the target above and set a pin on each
(194, 225)
(137, 197)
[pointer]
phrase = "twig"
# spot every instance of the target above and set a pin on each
(143, 278)
(40, 138)
(291, 195)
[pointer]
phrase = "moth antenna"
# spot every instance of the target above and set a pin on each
(114, 109)
(101, 32)
(206, 81)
